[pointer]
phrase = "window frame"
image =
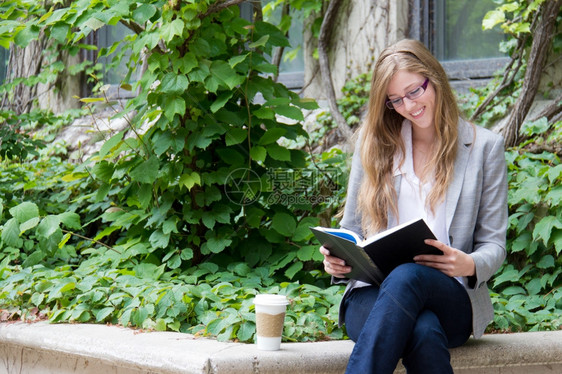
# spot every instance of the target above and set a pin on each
(462, 73)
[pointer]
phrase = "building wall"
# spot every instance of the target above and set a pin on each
(362, 30)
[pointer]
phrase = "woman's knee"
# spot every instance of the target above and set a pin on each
(428, 339)
(428, 329)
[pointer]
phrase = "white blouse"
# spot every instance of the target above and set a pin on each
(412, 197)
(413, 194)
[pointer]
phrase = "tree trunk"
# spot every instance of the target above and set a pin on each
(323, 47)
(537, 58)
(23, 63)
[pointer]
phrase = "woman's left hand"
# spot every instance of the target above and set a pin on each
(453, 262)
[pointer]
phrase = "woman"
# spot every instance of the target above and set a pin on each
(416, 158)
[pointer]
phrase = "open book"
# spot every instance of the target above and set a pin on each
(374, 258)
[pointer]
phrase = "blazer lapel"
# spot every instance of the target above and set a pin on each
(465, 141)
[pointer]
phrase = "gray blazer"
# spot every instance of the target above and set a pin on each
(476, 205)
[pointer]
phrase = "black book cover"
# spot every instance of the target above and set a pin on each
(374, 258)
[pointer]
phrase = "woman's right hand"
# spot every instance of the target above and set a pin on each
(334, 266)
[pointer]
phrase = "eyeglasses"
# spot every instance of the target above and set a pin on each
(412, 95)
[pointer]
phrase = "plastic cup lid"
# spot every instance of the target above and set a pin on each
(270, 299)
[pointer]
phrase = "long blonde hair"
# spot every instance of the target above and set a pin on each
(381, 138)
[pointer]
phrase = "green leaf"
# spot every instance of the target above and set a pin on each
(508, 275)
(258, 153)
(199, 74)
(260, 42)
(174, 83)
(57, 291)
(169, 30)
(554, 174)
(143, 196)
(70, 220)
(492, 18)
(60, 31)
(233, 61)
(188, 180)
(64, 240)
(306, 253)
(231, 156)
(186, 254)
(147, 171)
(24, 211)
(159, 240)
(34, 258)
(110, 144)
(544, 227)
(104, 171)
(303, 229)
(546, 262)
(143, 13)
(11, 233)
(275, 36)
(215, 245)
(103, 313)
(94, 23)
(536, 127)
(235, 136)
(289, 111)
(246, 331)
(272, 135)
(555, 196)
(188, 62)
(264, 113)
(208, 220)
(521, 27)
(293, 269)
(176, 105)
(533, 286)
(221, 100)
(284, 224)
(174, 262)
(48, 226)
(278, 153)
(29, 224)
(26, 35)
(514, 290)
(521, 242)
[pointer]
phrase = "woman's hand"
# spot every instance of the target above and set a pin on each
(334, 266)
(453, 262)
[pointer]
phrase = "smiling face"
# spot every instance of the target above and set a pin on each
(420, 111)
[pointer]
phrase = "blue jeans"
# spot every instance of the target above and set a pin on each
(417, 315)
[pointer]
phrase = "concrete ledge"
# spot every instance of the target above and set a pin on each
(87, 349)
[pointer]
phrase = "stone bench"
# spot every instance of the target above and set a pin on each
(87, 349)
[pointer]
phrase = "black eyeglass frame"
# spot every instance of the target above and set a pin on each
(423, 86)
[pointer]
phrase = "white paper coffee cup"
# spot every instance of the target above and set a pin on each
(270, 318)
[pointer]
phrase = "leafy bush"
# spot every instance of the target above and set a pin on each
(526, 291)
(178, 226)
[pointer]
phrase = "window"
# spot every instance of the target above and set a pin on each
(3, 63)
(291, 69)
(452, 30)
(113, 72)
